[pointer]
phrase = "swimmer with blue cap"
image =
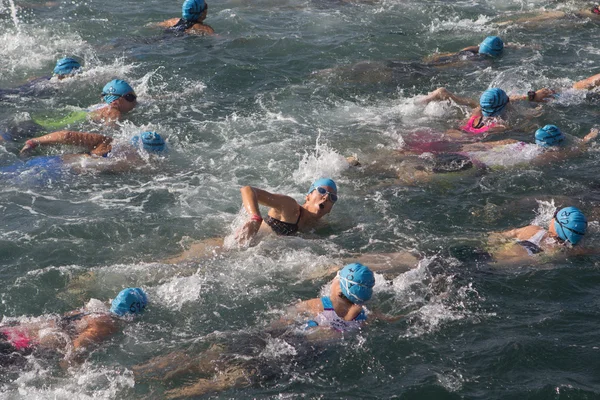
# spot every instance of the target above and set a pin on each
(490, 47)
(99, 147)
(193, 14)
(85, 328)
(286, 216)
(119, 98)
(565, 230)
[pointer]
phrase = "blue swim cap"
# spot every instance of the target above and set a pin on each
(152, 142)
(548, 136)
(570, 224)
(129, 301)
(492, 102)
(66, 66)
(356, 282)
(191, 9)
(115, 89)
(491, 45)
(322, 182)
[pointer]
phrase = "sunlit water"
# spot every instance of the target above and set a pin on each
(253, 106)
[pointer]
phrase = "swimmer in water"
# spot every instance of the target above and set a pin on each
(101, 154)
(564, 233)
(307, 324)
(193, 14)
(372, 72)
(72, 335)
(536, 20)
(551, 145)
(493, 114)
(286, 216)
(491, 47)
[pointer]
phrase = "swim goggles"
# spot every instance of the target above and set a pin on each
(332, 196)
(130, 97)
(566, 227)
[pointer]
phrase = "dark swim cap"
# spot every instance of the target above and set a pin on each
(356, 282)
(492, 102)
(570, 224)
(129, 301)
(152, 142)
(192, 9)
(115, 89)
(66, 66)
(548, 136)
(491, 45)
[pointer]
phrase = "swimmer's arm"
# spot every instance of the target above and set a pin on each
(521, 233)
(541, 95)
(92, 141)
(588, 83)
(252, 197)
(376, 315)
(166, 24)
(108, 116)
(487, 145)
(97, 330)
(474, 49)
(442, 93)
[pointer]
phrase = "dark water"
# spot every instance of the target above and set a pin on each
(253, 106)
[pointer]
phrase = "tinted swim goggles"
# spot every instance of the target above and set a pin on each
(332, 196)
(130, 97)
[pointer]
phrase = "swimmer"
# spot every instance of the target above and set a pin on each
(65, 68)
(551, 145)
(285, 218)
(193, 14)
(564, 233)
(493, 114)
(307, 324)
(72, 335)
(491, 47)
(535, 20)
(101, 153)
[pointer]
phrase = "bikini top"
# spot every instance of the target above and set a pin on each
(283, 228)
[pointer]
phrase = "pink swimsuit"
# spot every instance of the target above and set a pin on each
(482, 127)
(17, 337)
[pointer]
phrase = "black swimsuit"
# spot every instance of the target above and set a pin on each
(283, 228)
(181, 25)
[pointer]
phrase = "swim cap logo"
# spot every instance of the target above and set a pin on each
(136, 306)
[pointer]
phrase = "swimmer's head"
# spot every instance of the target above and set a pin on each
(548, 136)
(491, 45)
(492, 102)
(152, 142)
(192, 9)
(356, 282)
(116, 89)
(129, 301)
(66, 66)
(570, 224)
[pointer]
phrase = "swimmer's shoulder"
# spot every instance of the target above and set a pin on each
(168, 23)
(201, 29)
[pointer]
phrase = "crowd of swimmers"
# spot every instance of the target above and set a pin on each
(76, 333)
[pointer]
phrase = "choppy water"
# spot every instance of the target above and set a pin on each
(246, 107)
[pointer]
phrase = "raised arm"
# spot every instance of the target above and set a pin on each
(97, 330)
(588, 83)
(442, 93)
(93, 142)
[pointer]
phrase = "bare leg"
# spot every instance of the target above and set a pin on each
(236, 377)
(202, 249)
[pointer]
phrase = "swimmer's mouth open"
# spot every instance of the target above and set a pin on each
(321, 206)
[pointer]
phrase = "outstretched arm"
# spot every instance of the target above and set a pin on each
(442, 93)
(98, 329)
(588, 83)
(95, 143)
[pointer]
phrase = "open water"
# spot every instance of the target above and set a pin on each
(253, 106)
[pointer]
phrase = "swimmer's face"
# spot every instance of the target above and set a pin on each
(320, 204)
(551, 228)
(203, 15)
(124, 104)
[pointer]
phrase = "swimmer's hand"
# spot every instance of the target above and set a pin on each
(29, 145)
(591, 136)
(353, 161)
(248, 231)
(543, 95)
